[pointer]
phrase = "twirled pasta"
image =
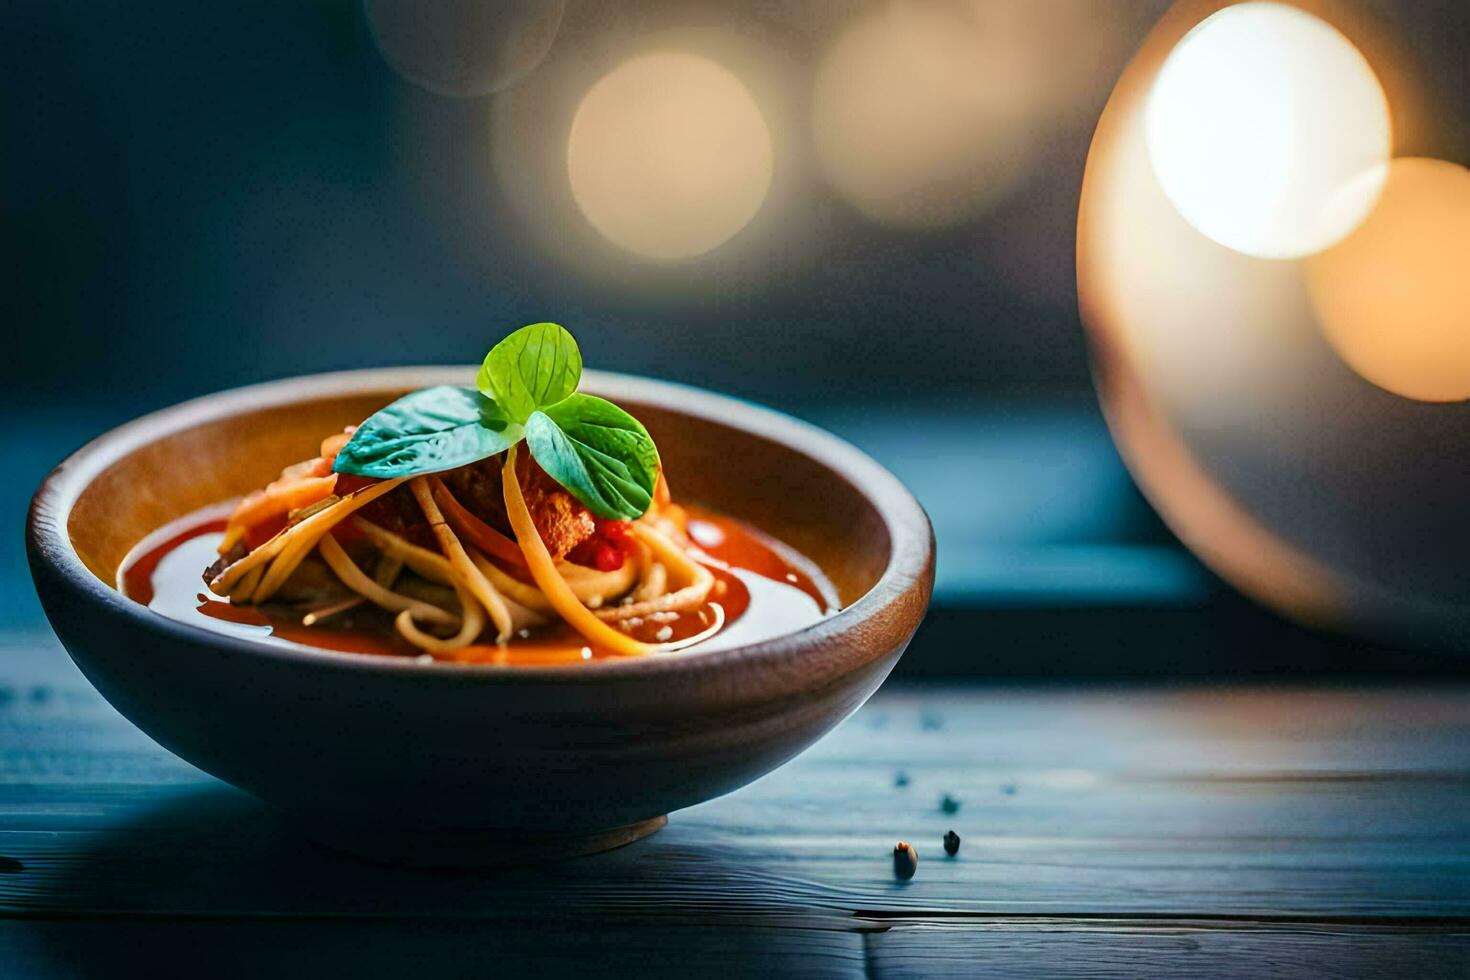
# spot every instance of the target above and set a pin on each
(515, 585)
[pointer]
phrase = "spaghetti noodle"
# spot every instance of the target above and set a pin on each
(383, 540)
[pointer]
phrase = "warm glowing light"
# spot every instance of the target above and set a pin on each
(1278, 466)
(1269, 131)
(669, 155)
(1394, 296)
(920, 116)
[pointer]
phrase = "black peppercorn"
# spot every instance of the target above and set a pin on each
(905, 860)
(951, 843)
(949, 804)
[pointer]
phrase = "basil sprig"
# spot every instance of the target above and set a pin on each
(535, 367)
(599, 452)
(527, 390)
(428, 431)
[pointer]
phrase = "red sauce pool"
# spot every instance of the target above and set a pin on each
(764, 588)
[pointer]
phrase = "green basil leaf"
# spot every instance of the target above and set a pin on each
(535, 367)
(600, 453)
(428, 431)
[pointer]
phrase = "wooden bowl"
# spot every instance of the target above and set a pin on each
(416, 762)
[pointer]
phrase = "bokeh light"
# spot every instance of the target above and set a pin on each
(1394, 296)
(922, 115)
(669, 155)
(1269, 131)
(1225, 377)
(464, 48)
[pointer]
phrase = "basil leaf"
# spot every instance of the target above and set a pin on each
(428, 431)
(535, 367)
(600, 453)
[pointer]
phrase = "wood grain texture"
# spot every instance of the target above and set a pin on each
(1106, 832)
(344, 948)
(1169, 948)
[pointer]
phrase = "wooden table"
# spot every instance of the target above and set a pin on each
(1107, 831)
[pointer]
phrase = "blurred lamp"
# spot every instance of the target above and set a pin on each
(1268, 131)
(669, 156)
(1237, 385)
(922, 113)
(1394, 297)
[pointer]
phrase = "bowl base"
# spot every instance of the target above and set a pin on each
(475, 848)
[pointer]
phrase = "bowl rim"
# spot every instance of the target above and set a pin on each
(910, 562)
